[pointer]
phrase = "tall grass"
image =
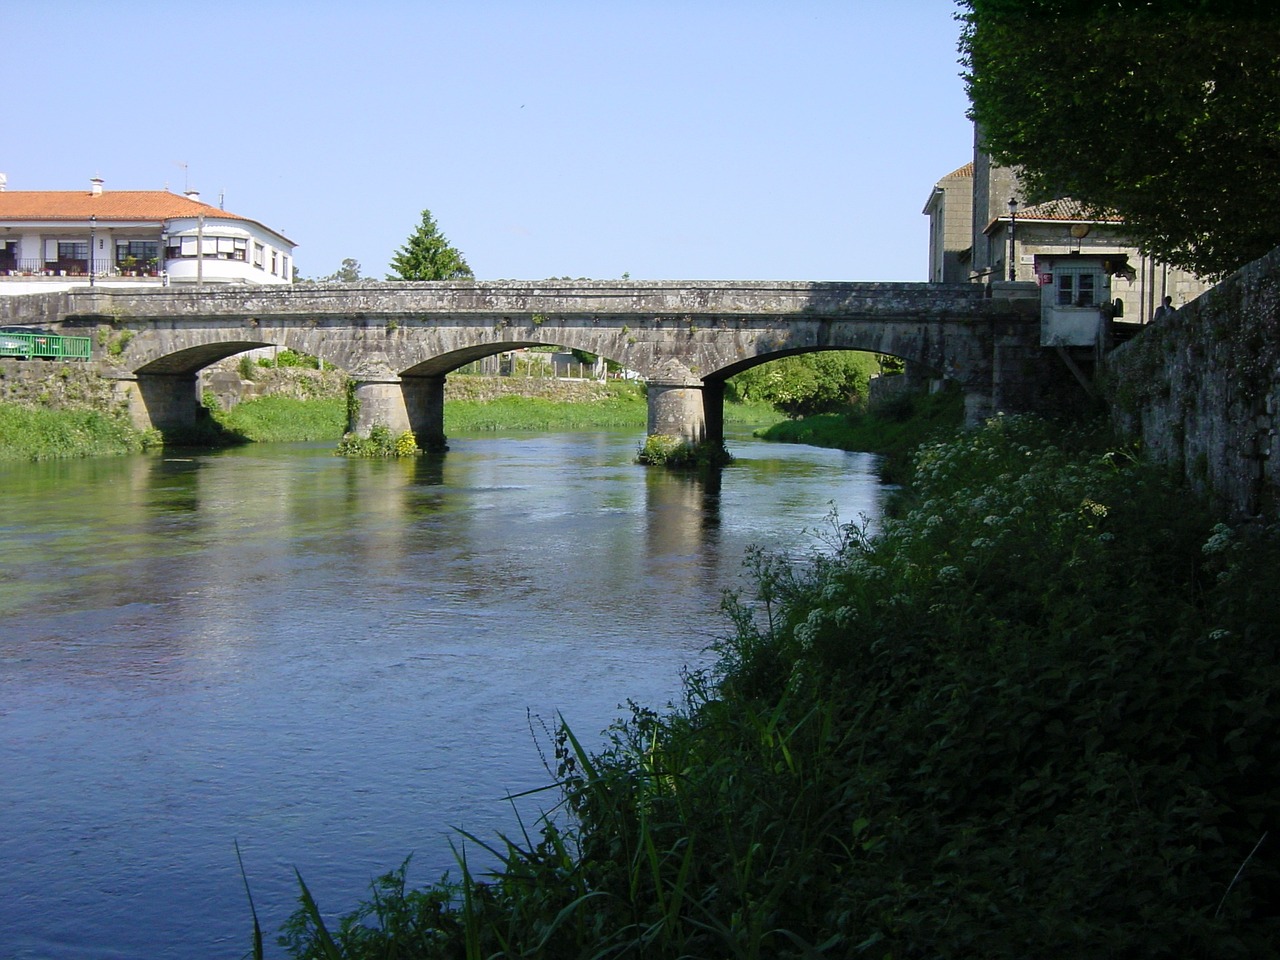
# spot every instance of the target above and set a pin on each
(537, 413)
(285, 419)
(1035, 715)
(29, 433)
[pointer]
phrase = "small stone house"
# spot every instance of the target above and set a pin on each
(995, 237)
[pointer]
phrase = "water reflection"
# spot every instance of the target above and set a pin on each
(331, 661)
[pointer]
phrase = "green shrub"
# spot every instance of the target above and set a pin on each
(662, 451)
(291, 358)
(379, 443)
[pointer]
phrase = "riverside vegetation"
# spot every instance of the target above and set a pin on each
(1035, 714)
(894, 428)
(306, 404)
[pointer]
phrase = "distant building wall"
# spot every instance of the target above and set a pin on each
(993, 187)
(950, 213)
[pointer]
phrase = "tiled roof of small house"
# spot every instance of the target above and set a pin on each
(1062, 210)
(108, 206)
(965, 171)
(1065, 209)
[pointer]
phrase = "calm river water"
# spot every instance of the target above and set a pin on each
(333, 663)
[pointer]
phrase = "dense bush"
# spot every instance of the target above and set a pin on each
(291, 358)
(380, 442)
(1035, 715)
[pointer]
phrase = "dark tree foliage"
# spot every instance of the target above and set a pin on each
(427, 255)
(1166, 112)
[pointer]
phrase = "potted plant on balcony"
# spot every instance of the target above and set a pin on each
(128, 266)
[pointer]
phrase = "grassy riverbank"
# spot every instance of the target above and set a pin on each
(893, 429)
(475, 404)
(472, 404)
(1035, 715)
(30, 433)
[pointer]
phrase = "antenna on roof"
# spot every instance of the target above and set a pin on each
(222, 196)
(186, 183)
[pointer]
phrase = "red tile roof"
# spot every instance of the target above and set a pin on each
(108, 206)
(1065, 209)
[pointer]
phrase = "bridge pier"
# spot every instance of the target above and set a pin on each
(169, 403)
(677, 409)
(424, 404)
(379, 400)
(713, 411)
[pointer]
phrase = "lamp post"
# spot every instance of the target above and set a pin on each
(93, 239)
(1013, 223)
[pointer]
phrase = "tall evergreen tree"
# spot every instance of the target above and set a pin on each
(427, 255)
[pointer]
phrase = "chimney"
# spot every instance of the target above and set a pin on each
(4, 182)
(95, 186)
(193, 195)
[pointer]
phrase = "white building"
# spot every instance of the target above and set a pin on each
(55, 239)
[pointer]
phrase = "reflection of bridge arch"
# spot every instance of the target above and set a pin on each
(399, 341)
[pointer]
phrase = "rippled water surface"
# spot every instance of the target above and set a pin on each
(333, 663)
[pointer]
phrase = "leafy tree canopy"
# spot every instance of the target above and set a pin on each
(427, 255)
(809, 383)
(1166, 112)
(349, 272)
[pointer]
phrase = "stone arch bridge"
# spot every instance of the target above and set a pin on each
(398, 340)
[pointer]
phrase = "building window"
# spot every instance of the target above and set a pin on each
(73, 249)
(212, 248)
(257, 255)
(1084, 296)
(273, 263)
(141, 251)
(1076, 289)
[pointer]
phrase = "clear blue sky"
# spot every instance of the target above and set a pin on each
(668, 139)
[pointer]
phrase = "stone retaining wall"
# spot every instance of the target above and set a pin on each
(59, 385)
(1202, 390)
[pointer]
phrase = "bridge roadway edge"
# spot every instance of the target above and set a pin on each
(399, 340)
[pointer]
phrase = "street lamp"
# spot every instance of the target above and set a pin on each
(93, 239)
(1013, 223)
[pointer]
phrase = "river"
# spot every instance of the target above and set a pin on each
(335, 663)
